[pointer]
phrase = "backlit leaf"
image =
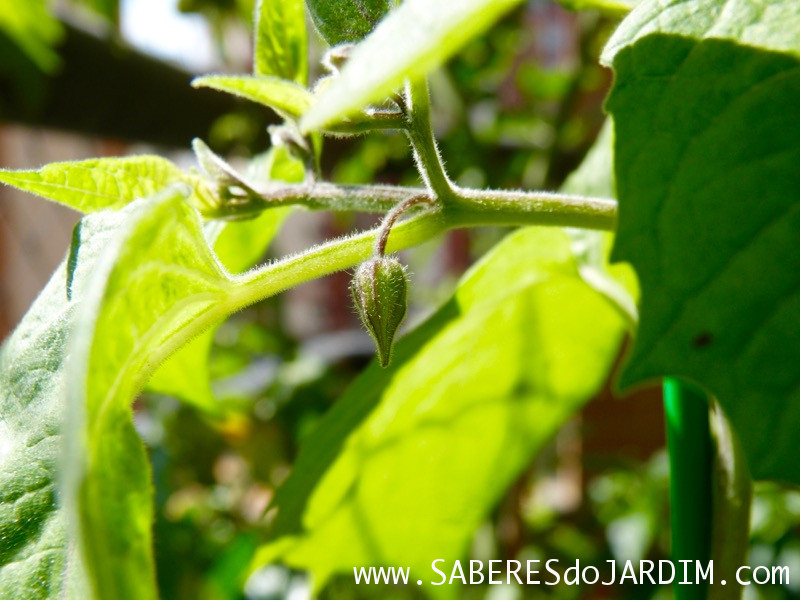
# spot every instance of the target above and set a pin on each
(412, 458)
(285, 97)
(103, 183)
(411, 41)
(36, 561)
(157, 277)
(280, 40)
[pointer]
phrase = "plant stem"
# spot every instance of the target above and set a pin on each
(502, 208)
(318, 196)
(392, 216)
(452, 207)
(464, 207)
(420, 133)
(470, 207)
(690, 462)
(328, 258)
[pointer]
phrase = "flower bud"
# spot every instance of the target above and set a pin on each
(379, 289)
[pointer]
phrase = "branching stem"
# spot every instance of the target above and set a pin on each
(449, 207)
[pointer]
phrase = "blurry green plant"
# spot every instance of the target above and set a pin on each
(408, 463)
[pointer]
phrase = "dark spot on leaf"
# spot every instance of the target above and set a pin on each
(703, 340)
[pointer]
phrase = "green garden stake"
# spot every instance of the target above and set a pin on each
(690, 467)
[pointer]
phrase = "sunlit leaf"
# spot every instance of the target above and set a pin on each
(411, 460)
(285, 97)
(280, 40)
(773, 25)
(36, 562)
(138, 278)
(411, 41)
(157, 277)
(103, 183)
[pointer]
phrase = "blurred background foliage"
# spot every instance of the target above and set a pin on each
(518, 107)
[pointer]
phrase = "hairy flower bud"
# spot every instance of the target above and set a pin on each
(379, 289)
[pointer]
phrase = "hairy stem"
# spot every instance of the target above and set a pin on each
(464, 207)
(328, 258)
(426, 153)
(390, 219)
(501, 208)
(468, 207)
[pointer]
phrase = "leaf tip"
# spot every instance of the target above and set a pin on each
(203, 81)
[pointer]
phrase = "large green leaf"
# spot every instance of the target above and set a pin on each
(285, 97)
(707, 154)
(281, 41)
(410, 461)
(347, 20)
(136, 281)
(156, 280)
(411, 41)
(35, 561)
(103, 183)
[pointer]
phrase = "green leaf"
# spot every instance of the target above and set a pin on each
(34, 562)
(108, 9)
(773, 25)
(32, 27)
(238, 245)
(410, 461)
(281, 41)
(103, 183)
(609, 7)
(411, 41)
(347, 20)
(139, 279)
(156, 279)
(707, 153)
(284, 97)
